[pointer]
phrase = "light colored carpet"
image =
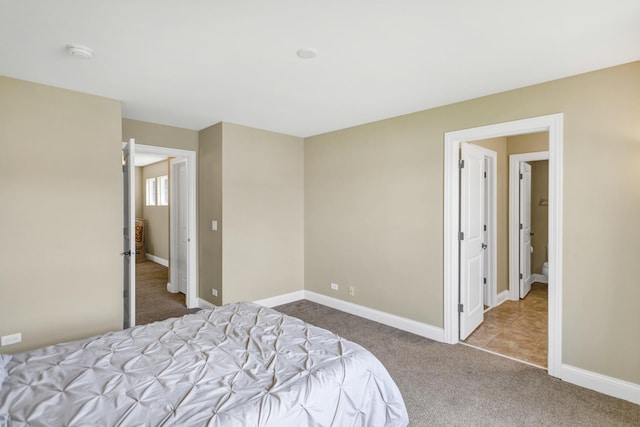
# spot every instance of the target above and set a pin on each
(455, 385)
(153, 301)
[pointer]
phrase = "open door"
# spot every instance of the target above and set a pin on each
(472, 245)
(179, 213)
(525, 229)
(129, 238)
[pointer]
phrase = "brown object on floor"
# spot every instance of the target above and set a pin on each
(153, 301)
(457, 385)
(141, 253)
(517, 329)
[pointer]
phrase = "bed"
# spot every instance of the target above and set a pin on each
(236, 365)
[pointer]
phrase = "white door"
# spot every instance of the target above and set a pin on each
(472, 245)
(128, 227)
(525, 229)
(486, 298)
(179, 225)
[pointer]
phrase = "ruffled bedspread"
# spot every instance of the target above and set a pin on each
(237, 365)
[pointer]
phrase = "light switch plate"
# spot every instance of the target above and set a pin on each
(214, 225)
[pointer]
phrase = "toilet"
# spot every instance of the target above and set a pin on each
(545, 266)
(545, 271)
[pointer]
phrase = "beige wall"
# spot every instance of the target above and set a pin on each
(262, 208)
(139, 193)
(539, 213)
(156, 233)
(61, 216)
(374, 210)
(146, 133)
(251, 182)
(210, 209)
(528, 143)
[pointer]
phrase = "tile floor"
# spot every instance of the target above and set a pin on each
(517, 329)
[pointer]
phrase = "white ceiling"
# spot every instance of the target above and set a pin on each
(146, 159)
(193, 63)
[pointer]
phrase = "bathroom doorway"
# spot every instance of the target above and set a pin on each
(513, 325)
(453, 140)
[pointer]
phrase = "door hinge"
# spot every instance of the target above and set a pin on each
(461, 235)
(520, 176)
(461, 164)
(485, 174)
(485, 227)
(460, 308)
(520, 226)
(520, 275)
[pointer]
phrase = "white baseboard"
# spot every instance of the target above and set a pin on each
(540, 278)
(204, 304)
(415, 327)
(157, 260)
(281, 299)
(601, 383)
(502, 297)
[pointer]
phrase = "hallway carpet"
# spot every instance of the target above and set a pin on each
(456, 385)
(153, 301)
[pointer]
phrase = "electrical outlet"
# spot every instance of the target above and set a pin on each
(352, 291)
(214, 292)
(335, 286)
(11, 339)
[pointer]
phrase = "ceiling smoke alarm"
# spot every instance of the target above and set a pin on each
(307, 52)
(79, 50)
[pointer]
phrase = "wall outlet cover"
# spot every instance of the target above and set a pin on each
(11, 339)
(214, 292)
(335, 286)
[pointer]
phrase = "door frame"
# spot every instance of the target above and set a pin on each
(553, 124)
(190, 156)
(173, 286)
(514, 213)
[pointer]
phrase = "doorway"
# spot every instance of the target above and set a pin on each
(185, 215)
(453, 140)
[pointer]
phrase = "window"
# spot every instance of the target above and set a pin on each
(151, 192)
(163, 190)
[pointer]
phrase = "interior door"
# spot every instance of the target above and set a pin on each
(129, 240)
(180, 224)
(472, 245)
(525, 229)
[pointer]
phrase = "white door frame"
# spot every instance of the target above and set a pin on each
(129, 220)
(514, 215)
(174, 246)
(192, 295)
(554, 125)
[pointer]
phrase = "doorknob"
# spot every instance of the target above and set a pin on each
(129, 253)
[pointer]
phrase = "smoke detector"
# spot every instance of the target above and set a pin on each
(79, 50)
(307, 52)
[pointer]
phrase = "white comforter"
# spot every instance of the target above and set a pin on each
(237, 365)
